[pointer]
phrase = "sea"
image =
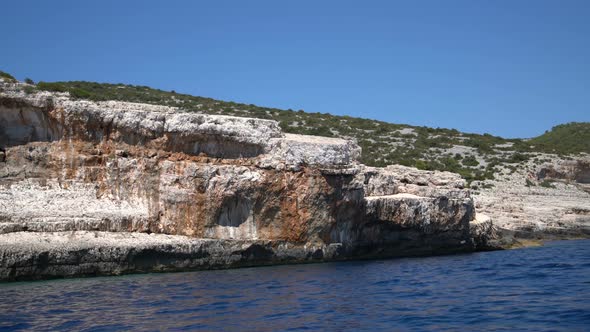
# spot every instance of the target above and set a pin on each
(543, 288)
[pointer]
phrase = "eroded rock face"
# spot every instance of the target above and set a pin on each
(122, 167)
(577, 171)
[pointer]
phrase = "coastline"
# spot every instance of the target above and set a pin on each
(538, 239)
(43, 256)
(107, 188)
(37, 256)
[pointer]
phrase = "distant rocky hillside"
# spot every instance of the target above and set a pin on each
(476, 157)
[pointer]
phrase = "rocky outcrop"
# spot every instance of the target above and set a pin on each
(569, 170)
(539, 201)
(105, 188)
(32, 255)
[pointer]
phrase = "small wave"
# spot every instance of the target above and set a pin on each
(479, 269)
(559, 266)
(386, 282)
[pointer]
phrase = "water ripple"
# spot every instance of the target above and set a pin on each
(536, 289)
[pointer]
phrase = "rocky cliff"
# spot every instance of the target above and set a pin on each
(91, 188)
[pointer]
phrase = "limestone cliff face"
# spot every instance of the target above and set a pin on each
(121, 167)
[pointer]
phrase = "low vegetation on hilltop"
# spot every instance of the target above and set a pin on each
(569, 138)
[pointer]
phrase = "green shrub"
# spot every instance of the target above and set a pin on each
(470, 161)
(421, 164)
(54, 87)
(518, 158)
(29, 90)
(7, 77)
(80, 93)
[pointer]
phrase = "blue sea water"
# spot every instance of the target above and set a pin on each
(535, 289)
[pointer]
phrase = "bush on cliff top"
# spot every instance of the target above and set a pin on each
(7, 76)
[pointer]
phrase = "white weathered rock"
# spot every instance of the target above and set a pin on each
(125, 167)
(514, 204)
(214, 135)
(295, 151)
(426, 213)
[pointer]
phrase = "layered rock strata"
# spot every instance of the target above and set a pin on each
(540, 201)
(106, 188)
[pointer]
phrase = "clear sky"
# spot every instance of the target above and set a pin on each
(507, 67)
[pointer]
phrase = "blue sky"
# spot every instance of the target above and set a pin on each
(509, 68)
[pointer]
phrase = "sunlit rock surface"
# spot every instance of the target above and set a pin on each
(111, 187)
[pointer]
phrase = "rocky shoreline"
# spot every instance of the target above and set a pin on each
(48, 255)
(106, 188)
